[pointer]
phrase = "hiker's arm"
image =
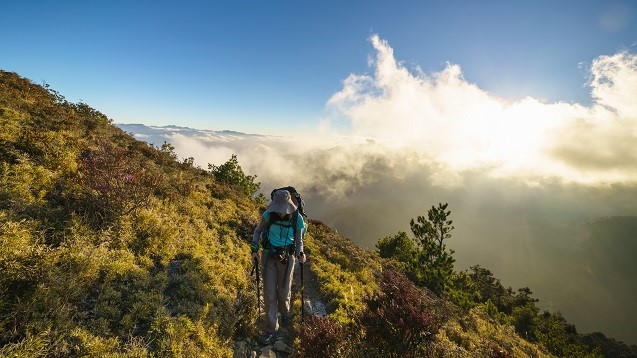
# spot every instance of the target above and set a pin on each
(298, 239)
(255, 236)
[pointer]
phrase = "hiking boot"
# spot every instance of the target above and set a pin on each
(268, 338)
(286, 318)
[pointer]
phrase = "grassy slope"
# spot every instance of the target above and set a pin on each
(127, 252)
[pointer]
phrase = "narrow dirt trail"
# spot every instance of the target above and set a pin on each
(310, 283)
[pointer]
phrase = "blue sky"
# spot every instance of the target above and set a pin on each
(255, 65)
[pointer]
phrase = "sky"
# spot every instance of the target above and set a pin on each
(521, 115)
(271, 67)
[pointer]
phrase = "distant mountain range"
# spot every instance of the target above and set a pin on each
(157, 135)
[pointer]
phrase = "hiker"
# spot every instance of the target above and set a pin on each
(281, 232)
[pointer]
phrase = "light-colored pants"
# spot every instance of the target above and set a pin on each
(277, 288)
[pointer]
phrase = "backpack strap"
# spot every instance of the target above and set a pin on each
(274, 218)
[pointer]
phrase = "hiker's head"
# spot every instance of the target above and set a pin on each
(282, 203)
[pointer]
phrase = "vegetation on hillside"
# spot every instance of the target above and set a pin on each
(478, 288)
(396, 303)
(395, 318)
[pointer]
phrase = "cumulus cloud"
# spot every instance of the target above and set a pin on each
(614, 83)
(601, 143)
(456, 123)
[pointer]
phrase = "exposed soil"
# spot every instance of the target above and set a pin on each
(310, 282)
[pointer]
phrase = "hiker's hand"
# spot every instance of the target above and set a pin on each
(254, 247)
(301, 256)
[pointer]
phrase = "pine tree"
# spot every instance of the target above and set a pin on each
(434, 261)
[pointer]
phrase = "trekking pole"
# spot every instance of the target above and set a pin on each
(255, 269)
(302, 298)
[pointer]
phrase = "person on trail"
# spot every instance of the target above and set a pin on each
(281, 231)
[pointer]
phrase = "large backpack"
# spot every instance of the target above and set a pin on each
(296, 197)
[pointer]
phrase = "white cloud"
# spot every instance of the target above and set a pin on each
(456, 123)
(614, 83)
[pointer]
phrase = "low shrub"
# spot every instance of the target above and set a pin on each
(400, 320)
(322, 337)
